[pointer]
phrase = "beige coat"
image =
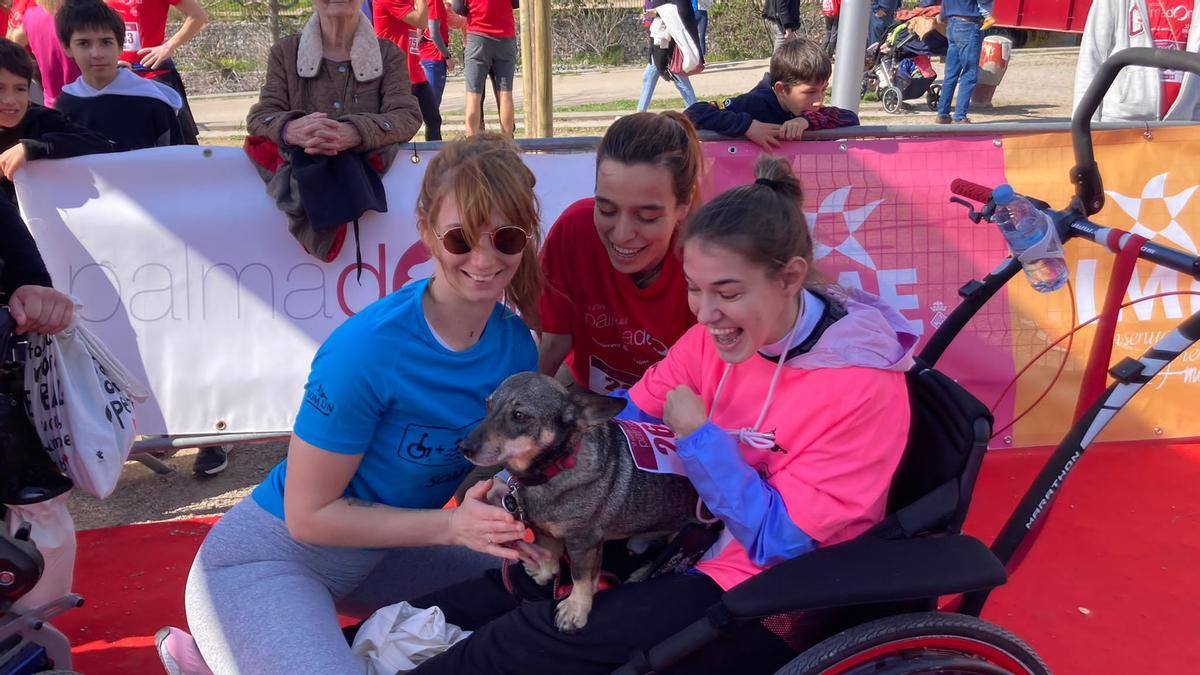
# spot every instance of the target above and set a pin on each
(372, 92)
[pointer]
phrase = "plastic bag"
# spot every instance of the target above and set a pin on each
(80, 399)
(399, 637)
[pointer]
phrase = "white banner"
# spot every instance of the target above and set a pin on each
(187, 272)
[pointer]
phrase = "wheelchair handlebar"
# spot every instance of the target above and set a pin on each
(973, 191)
(8, 329)
(1089, 188)
(1073, 222)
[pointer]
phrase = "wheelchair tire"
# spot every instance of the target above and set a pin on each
(925, 642)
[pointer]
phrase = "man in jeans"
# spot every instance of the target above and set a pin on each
(782, 18)
(964, 33)
(491, 50)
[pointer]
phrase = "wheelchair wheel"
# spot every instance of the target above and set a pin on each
(891, 100)
(926, 642)
(932, 96)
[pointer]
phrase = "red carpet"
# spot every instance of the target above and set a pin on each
(1109, 588)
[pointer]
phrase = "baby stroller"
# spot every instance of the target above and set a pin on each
(898, 67)
(28, 643)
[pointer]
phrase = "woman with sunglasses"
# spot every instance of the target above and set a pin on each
(374, 454)
(615, 298)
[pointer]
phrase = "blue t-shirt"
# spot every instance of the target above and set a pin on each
(382, 386)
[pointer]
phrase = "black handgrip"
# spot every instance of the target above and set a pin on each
(1089, 188)
(8, 328)
(972, 191)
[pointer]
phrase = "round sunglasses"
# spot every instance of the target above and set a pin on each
(508, 240)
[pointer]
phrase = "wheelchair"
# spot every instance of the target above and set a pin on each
(28, 643)
(877, 595)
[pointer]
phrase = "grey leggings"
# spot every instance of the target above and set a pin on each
(260, 602)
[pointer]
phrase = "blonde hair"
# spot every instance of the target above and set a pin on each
(487, 176)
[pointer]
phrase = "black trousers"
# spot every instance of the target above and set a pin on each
(191, 133)
(429, 110)
(521, 639)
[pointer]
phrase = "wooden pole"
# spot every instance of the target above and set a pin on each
(528, 97)
(543, 49)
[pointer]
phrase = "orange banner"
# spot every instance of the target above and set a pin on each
(1149, 179)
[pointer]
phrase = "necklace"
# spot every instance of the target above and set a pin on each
(751, 435)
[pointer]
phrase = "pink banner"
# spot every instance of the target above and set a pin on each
(881, 220)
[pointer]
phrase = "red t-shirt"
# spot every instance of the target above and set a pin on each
(617, 329)
(388, 25)
(493, 18)
(1170, 21)
(429, 50)
(145, 24)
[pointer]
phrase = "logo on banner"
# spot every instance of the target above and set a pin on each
(833, 206)
(1142, 208)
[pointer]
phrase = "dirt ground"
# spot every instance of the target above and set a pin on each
(143, 496)
(1037, 87)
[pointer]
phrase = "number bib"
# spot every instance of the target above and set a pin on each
(133, 39)
(652, 447)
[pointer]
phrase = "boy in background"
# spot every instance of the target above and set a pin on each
(131, 111)
(788, 101)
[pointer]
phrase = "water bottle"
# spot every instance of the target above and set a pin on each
(1032, 239)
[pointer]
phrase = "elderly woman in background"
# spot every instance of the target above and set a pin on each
(335, 87)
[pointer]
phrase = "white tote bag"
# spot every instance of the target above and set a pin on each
(80, 399)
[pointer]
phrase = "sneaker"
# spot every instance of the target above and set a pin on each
(211, 461)
(178, 652)
(965, 120)
(943, 119)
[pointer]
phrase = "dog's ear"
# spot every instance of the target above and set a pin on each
(589, 410)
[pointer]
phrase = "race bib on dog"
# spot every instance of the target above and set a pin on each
(652, 447)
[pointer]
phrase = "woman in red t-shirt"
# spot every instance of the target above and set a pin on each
(615, 297)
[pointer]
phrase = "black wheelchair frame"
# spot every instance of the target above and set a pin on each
(900, 569)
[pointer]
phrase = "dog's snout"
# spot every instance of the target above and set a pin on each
(471, 445)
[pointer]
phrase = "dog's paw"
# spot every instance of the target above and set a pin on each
(571, 614)
(542, 573)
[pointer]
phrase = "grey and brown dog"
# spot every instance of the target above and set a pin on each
(577, 484)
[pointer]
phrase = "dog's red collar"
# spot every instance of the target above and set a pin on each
(560, 465)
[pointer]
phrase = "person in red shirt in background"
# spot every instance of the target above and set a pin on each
(435, 49)
(1170, 24)
(149, 52)
(402, 22)
(490, 51)
(615, 298)
(1140, 93)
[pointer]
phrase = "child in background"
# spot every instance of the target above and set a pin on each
(133, 112)
(149, 52)
(788, 101)
(28, 130)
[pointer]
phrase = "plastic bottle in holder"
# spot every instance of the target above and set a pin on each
(1032, 239)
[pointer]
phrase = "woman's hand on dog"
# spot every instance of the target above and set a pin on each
(684, 411)
(485, 528)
